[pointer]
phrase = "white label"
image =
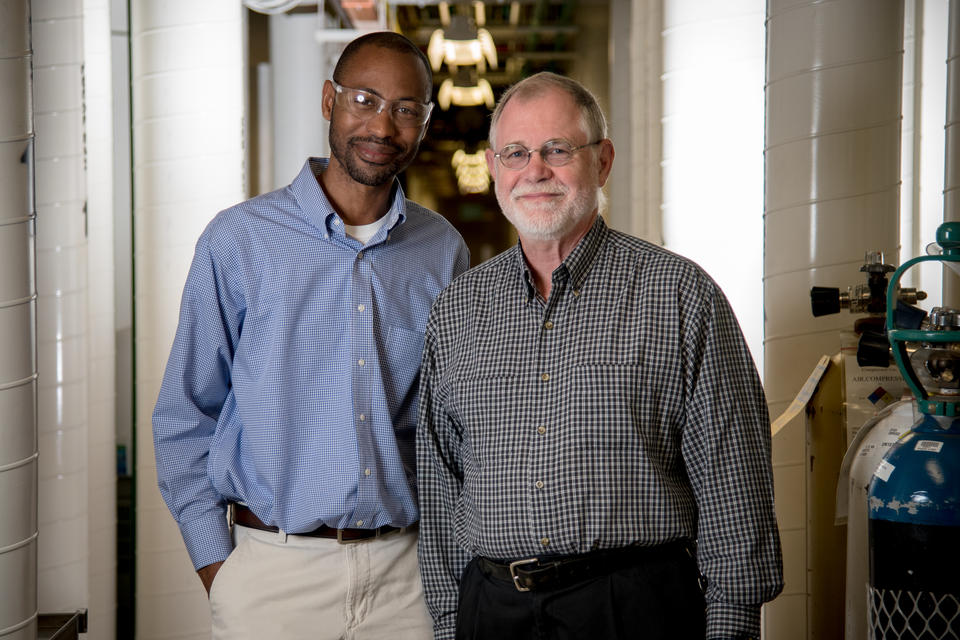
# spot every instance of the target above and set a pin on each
(931, 446)
(884, 469)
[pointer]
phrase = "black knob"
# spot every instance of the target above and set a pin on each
(824, 300)
(873, 349)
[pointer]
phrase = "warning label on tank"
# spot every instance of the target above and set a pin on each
(884, 469)
(930, 446)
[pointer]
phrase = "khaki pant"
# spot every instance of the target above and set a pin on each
(279, 587)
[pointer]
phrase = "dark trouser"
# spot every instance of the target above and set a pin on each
(651, 595)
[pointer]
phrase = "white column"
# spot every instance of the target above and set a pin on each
(713, 60)
(101, 433)
(636, 106)
(18, 365)
(187, 70)
(62, 304)
(298, 67)
(832, 162)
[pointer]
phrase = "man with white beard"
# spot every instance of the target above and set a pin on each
(593, 445)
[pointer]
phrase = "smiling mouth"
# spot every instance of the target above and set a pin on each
(375, 152)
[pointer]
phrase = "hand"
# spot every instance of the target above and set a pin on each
(208, 573)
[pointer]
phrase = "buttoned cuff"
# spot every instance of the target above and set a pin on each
(731, 621)
(208, 539)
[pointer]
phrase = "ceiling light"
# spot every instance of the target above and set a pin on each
(472, 173)
(462, 43)
(465, 90)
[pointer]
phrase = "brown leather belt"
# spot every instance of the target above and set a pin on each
(242, 515)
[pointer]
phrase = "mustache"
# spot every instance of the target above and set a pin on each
(387, 142)
(541, 188)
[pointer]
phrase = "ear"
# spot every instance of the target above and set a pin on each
(326, 101)
(606, 160)
(491, 162)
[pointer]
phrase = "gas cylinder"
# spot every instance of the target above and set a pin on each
(914, 495)
(872, 441)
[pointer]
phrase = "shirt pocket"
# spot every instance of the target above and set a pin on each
(402, 354)
(604, 408)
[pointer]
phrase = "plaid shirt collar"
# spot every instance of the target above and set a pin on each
(574, 267)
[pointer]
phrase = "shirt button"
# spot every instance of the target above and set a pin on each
(336, 221)
(361, 307)
(362, 417)
(361, 362)
(576, 293)
(544, 376)
(538, 484)
(548, 325)
(545, 541)
(360, 255)
(360, 524)
(541, 429)
(366, 472)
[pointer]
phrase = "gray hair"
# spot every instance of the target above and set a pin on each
(592, 120)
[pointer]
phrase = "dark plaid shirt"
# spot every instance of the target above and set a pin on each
(625, 409)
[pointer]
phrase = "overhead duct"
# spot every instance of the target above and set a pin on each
(18, 366)
(187, 70)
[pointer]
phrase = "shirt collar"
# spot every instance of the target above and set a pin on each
(577, 264)
(317, 208)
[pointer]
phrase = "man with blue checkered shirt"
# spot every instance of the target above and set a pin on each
(593, 445)
(290, 395)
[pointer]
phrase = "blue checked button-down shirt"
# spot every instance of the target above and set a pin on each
(292, 381)
(624, 410)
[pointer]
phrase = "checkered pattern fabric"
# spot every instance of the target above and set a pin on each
(625, 409)
(291, 385)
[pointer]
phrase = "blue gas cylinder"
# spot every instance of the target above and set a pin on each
(914, 531)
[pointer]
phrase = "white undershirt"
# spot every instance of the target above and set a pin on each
(364, 232)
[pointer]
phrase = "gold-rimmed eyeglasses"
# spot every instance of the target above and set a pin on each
(555, 153)
(364, 105)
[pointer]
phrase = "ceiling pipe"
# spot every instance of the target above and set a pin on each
(18, 366)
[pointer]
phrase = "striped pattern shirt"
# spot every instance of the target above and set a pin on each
(625, 409)
(292, 381)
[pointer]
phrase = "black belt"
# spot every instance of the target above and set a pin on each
(242, 515)
(533, 573)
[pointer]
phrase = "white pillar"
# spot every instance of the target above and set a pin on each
(298, 67)
(187, 70)
(636, 105)
(61, 305)
(713, 60)
(18, 366)
(951, 173)
(832, 161)
(101, 433)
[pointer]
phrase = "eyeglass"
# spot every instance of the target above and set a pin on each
(364, 105)
(555, 153)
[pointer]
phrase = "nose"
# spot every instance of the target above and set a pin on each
(537, 168)
(381, 123)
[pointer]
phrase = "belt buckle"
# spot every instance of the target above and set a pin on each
(513, 572)
(340, 539)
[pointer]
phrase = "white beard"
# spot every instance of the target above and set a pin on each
(547, 221)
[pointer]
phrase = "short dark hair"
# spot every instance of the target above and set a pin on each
(390, 40)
